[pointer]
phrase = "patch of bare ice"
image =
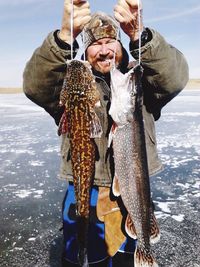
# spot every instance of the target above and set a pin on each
(23, 193)
(36, 163)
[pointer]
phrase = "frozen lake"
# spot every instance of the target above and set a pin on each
(31, 195)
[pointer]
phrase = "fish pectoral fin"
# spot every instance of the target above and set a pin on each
(95, 125)
(115, 187)
(130, 227)
(144, 258)
(63, 124)
(111, 134)
(154, 231)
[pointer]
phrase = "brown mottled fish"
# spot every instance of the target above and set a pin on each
(80, 95)
(131, 179)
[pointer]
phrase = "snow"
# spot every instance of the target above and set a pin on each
(31, 194)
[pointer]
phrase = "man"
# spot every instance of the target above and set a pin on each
(165, 75)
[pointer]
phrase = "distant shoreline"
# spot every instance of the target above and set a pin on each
(11, 90)
(193, 84)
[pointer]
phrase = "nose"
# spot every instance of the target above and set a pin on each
(104, 49)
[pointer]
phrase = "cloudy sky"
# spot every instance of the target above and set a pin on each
(25, 23)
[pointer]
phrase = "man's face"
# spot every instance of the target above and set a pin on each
(101, 53)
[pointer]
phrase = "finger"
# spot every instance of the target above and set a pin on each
(119, 17)
(81, 13)
(81, 4)
(80, 23)
(134, 3)
(84, 6)
(76, 2)
(123, 4)
(123, 12)
(84, 21)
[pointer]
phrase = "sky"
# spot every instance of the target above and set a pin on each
(24, 24)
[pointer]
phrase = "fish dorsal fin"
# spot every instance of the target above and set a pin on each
(63, 124)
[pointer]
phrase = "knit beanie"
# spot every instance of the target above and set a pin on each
(100, 26)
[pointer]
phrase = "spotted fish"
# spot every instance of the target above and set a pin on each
(80, 95)
(131, 179)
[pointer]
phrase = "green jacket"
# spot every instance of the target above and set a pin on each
(165, 75)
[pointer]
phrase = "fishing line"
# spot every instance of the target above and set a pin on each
(71, 27)
(140, 33)
(139, 39)
(83, 41)
(115, 48)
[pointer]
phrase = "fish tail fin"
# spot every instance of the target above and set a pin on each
(82, 234)
(95, 125)
(115, 187)
(154, 231)
(143, 258)
(82, 257)
(130, 227)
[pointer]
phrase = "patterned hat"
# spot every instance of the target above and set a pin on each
(100, 26)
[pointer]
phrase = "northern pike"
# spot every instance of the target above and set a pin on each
(131, 179)
(80, 122)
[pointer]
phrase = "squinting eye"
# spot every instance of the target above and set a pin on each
(112, 41)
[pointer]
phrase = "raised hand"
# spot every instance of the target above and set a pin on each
(126, 13)
(81, 16)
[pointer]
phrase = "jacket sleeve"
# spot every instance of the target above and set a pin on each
(43, 76)
(165, 72)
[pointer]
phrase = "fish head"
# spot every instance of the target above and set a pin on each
(81, 82)
(122, 97)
